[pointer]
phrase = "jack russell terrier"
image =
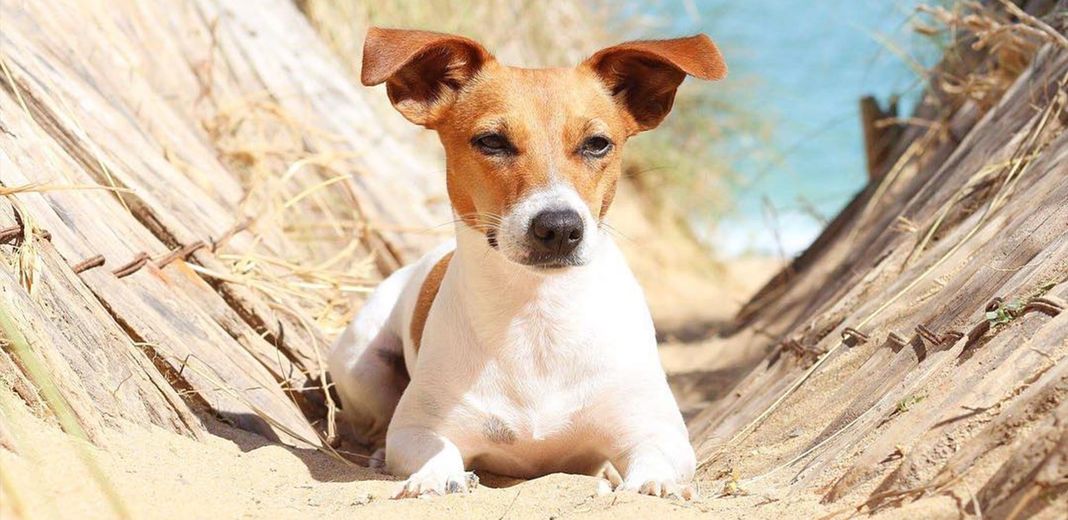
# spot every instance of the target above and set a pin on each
(525, 346)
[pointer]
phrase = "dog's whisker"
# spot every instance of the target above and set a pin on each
(487, 218)
(611, 229)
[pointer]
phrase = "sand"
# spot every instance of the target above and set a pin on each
(236, 474)
(240, 475)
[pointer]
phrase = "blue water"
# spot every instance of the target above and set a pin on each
(802, 65)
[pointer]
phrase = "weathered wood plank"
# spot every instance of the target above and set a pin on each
(886, 404)
(174, 196)
(1011, 360)
(880, 279)
(94, 365)
(315, 89)
(1035, 477)
(197, 354)
(1034, 403)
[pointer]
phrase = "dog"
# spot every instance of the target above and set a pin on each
(524, 346)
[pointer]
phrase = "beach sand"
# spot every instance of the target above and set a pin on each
(236, 474)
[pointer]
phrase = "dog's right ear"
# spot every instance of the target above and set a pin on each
(423, 71)
(644, 75)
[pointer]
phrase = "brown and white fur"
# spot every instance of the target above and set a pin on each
(525, 346)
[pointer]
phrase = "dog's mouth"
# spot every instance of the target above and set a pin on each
(546, 262)
(541, 261)
(536, 260)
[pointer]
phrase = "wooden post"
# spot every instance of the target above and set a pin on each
(880, 133)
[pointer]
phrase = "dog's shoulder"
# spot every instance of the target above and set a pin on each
(428, 291)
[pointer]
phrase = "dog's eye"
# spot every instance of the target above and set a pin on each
(493, 144)
(596, 146)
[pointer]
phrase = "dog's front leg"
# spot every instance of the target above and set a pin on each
(660, 466)
(432, 463)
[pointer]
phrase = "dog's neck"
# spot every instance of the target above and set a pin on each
(486, 270)
(494, 287)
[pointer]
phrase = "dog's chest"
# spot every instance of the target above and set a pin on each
(521, 380)
(528, 408)
(527, 425)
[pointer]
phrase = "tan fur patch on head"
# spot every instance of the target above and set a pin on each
(427, 293)
(545, 115)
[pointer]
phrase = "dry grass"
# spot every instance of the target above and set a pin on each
(983, 52)
(308, 255)
(298, 192)
(521, 32)
(987, 47)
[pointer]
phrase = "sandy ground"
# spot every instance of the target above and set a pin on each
(236, 474)
(161, 475)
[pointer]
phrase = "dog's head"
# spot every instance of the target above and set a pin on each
(533, 155)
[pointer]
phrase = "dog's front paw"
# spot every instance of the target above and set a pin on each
(661, 488)
(424, 484)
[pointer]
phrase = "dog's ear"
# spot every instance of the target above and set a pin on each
(422, 70)
(644, 75)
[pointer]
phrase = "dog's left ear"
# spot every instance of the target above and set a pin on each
(422, 70)
(644, 75)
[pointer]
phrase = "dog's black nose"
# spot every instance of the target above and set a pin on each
(556, 232)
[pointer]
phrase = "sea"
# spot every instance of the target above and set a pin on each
(801, 66)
